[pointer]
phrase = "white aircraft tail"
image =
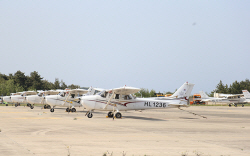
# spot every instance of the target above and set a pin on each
(91, 91)
(184, 91)
(203, 94)
(246, 93)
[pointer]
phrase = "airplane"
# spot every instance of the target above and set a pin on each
(8, 98)
(231, 99)
(20, 97)
(68, 98)
(122, 99)
(39, 98)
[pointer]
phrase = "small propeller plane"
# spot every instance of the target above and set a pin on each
(20, 97)
(122, 99)
(8, 98)
(231, 99)
(68, 98)
(39, 98)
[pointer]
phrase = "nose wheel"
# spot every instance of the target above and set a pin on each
(90, 115)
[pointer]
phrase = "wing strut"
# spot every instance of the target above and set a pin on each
(109, 100)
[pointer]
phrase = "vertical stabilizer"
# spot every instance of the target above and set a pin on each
(246, 94)
(203, 94)
(184, 91)
(91, 91)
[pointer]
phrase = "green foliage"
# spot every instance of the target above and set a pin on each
(145, 93)
(20, 82)
(234, 88)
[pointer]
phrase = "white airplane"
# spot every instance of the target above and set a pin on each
(20, 98)
(39, 98)
(68, 98)
(121, 99)
(8, 98)
(205, 98)
(231, 99)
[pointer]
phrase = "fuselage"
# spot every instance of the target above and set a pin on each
(96, 102)
(62, 101)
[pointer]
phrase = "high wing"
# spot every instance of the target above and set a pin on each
(78, 91)
(125, 90)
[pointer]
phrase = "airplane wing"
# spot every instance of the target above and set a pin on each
(125, 90)
(78, 91)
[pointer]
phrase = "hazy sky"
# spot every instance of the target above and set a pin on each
(151, 44)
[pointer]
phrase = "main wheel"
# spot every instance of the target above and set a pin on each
(229, 105)
(242, 105)
(31, 107)
(52, 110)
(235, 105)
(90, 115)
(110, 114)
(73, 110)
(67, 109)
(118, 115)
(15, 105)
(45, 107)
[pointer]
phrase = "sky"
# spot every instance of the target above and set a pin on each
(146, 44)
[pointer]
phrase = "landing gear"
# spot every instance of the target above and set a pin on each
(28, 104)
(52, 110)
(235, 105)
(31, 107)
(73, 110)
(242, 105)
(46, 107)
(90, 115)
(110, 114)
(118, 115)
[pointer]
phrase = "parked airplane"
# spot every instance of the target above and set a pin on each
(230, 99)
(8, 98)
(121, 99)
(39, 98)
(68, 98)
(21, 97)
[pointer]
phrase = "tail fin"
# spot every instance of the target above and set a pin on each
(246, 93)
(184, 91)
(203, 94)
(91, 91)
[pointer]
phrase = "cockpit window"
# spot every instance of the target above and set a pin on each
(117, 96)
(102, 93)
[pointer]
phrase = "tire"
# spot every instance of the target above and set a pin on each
(90, 115)
(52, 110)
(73, 110)
(235, 105)
(15, 105)
(242, 105)
(229, 105)
(110, 114)
(118, 115)
(31, 107)
(45, 107)
(67, 110)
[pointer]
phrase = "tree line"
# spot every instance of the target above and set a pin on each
(234, 88)
(19, 82)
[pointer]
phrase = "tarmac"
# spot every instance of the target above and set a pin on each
(192, 131)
